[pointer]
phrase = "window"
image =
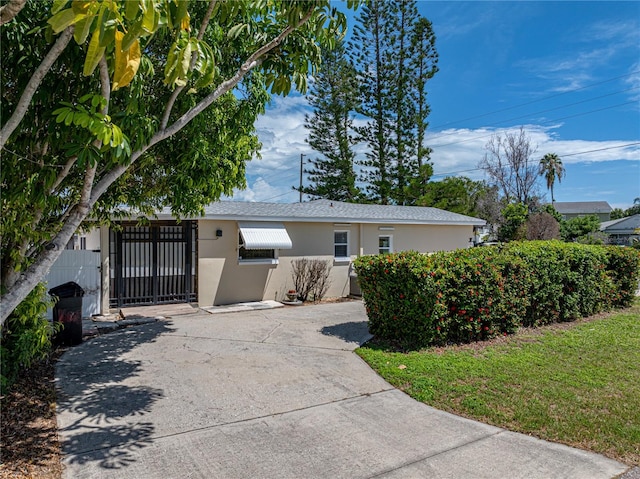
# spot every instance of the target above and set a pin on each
(254, 254)
(341, 244)
(77, 242)
(385, 244)
(260, 242)
(257, 253)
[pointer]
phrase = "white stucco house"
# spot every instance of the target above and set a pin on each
(242, 251)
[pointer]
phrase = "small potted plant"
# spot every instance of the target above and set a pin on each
(292, 295)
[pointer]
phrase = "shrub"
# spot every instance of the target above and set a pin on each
(567, 280)
(579, 227)
(467, 295)
(623, 267)
(26, 336)
(478, 302)
(417, 300)
(400, 296)
(542, 226)
(311, 278)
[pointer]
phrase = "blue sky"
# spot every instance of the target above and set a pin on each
(568, 72)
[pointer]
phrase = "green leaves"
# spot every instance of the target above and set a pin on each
(178, 67)
(90, 118)
(26, 336)
(474, 294)
(62, 131)
(150, 17)
(94, 54)
(63, 19)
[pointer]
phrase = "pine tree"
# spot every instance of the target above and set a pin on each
(333, 98)
(424, 66)
(405, 15)
(393, 49)
(368, 46)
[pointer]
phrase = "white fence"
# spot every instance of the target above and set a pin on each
(83, 268)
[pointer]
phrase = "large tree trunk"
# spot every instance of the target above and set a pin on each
(26, 281)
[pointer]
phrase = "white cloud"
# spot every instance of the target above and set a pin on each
(261, 190)
(455, 151)
(633, 81)
(463, 148)
(594, 50)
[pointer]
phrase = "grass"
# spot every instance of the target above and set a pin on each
(573, 383)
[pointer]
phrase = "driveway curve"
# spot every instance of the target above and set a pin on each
(272, 394)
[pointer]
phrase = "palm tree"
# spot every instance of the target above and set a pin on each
(551, 168)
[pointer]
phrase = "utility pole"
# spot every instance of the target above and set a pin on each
(302, 155)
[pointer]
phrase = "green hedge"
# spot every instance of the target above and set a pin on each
(26, 336)
(475, 294)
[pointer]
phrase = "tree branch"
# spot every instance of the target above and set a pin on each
(9, 11)
(253, 61)
(63, 174)
(34, 82)
(105, 84)
(192, 64)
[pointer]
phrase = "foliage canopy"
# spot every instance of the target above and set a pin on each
(143, 103)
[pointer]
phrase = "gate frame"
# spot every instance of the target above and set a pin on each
(190, 278)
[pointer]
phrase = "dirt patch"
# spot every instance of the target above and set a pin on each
(29, 430)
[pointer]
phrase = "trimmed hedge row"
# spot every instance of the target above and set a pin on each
(475, 294)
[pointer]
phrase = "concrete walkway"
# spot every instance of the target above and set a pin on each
(272, 394)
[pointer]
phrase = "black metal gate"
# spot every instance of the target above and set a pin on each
(153, 264)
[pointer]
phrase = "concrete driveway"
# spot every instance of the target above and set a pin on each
(272, 394)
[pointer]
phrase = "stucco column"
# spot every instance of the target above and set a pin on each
(104, 270)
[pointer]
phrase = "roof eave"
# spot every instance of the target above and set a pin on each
(315, 219)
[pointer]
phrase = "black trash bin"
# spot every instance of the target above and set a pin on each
(68, 312)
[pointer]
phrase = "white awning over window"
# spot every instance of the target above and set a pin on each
(264, 236)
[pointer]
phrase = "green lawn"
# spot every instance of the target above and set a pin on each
(577, 384)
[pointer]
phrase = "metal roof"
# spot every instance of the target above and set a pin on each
(264, 235)
(628, 225)
(326, 211)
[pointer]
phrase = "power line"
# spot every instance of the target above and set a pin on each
(538, 100)
(563, 156)
(602, 149)
(487, 135)
(450, 173)
(543, 122)
(516, 118)
(279, 196)
(546, 111)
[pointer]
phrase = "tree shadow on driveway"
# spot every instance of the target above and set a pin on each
(352, 332)
(100, 408)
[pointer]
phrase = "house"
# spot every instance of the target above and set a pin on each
(623, 231)
(575, 209)
(240, 251)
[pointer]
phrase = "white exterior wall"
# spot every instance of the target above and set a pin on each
(223, 280)
(83, 268)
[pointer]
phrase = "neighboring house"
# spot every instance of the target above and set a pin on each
(571, 209)
(623, 231)
(239, 251)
